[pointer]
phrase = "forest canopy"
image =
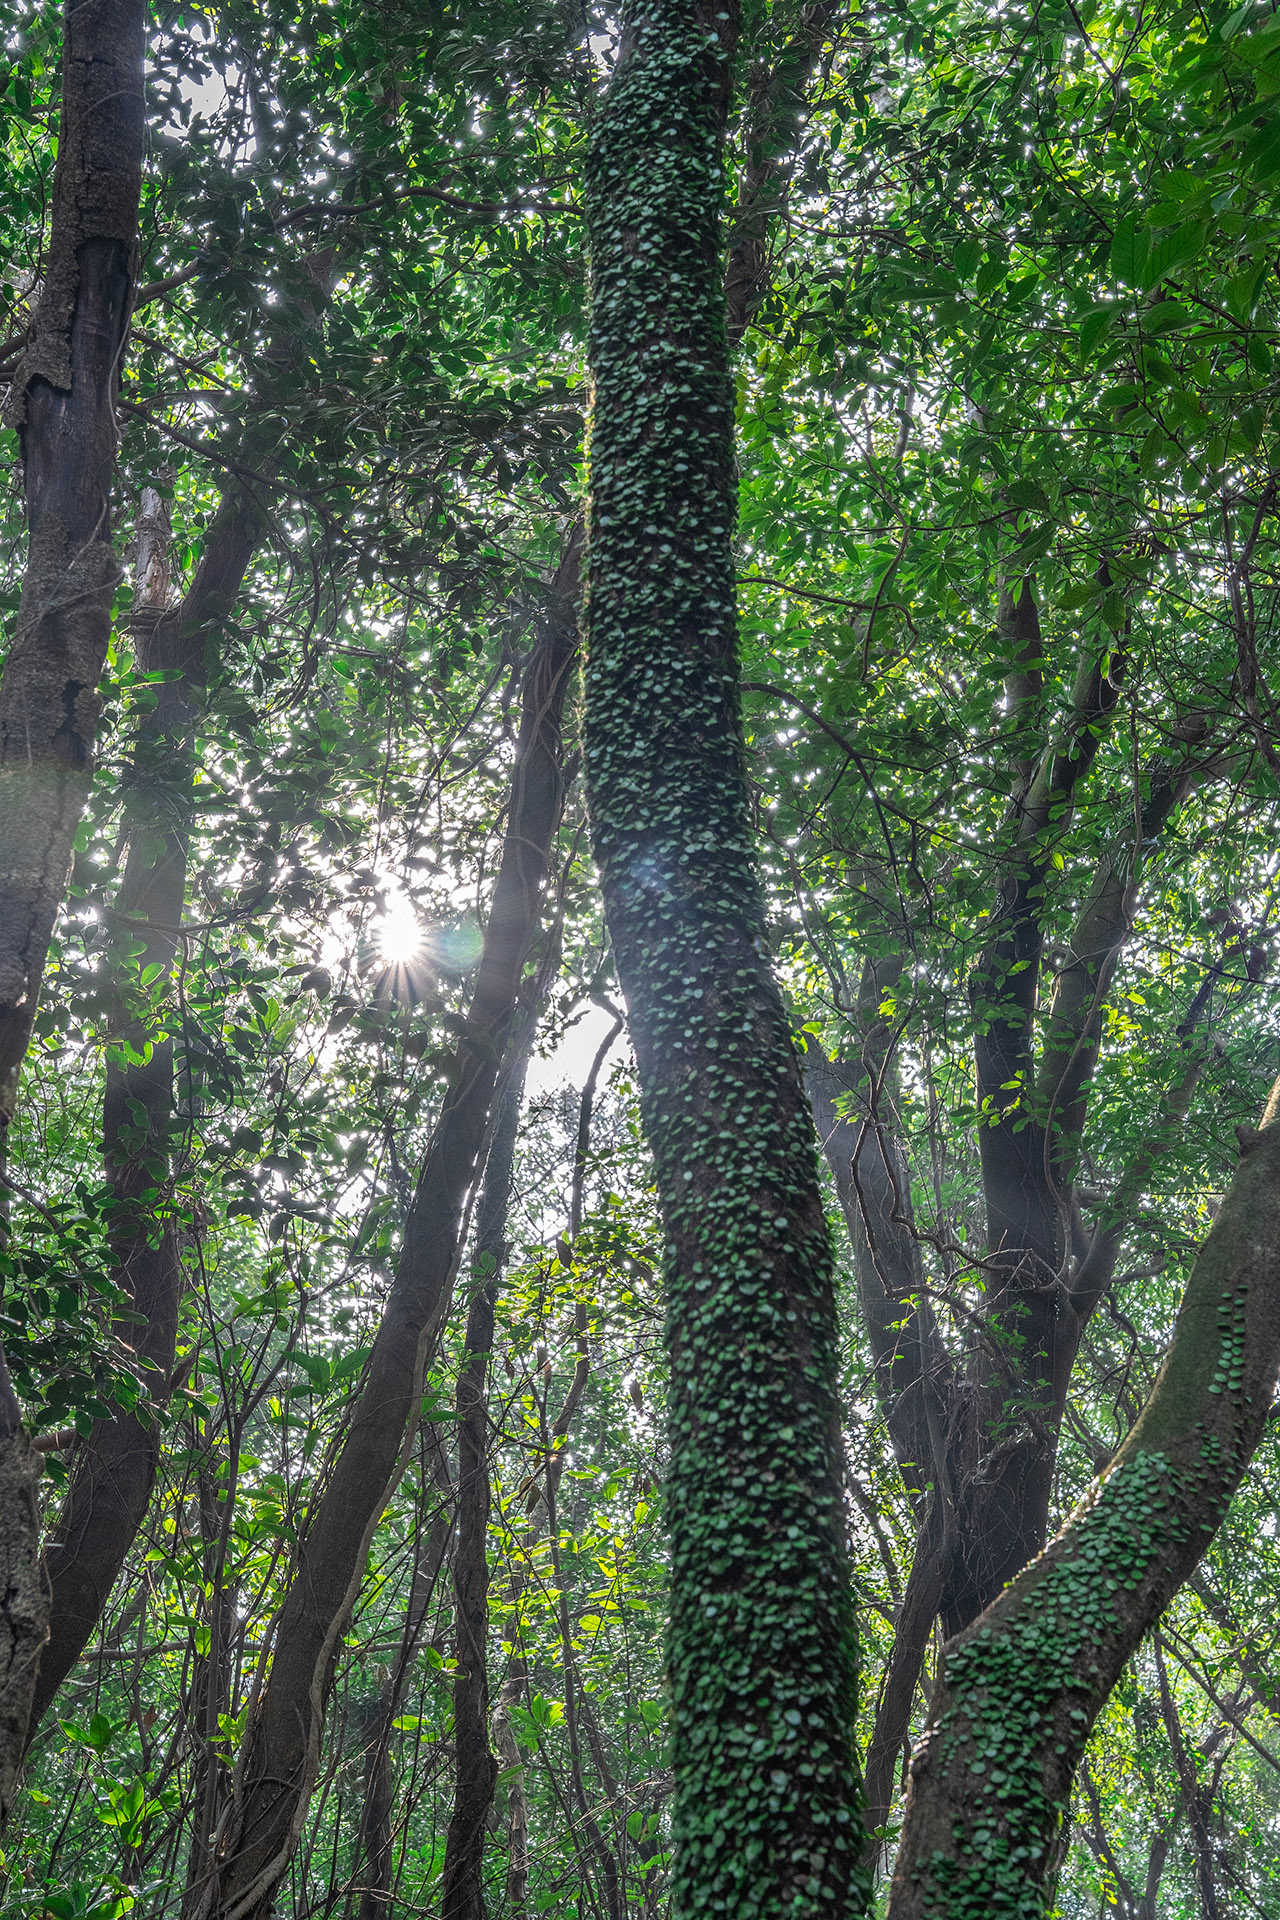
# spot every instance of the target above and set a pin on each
(639, 784)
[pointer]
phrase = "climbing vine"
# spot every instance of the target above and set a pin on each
(761, 1651)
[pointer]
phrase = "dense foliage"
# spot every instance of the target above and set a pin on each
(1008, 468)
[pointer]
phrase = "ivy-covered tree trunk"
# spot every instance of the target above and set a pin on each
(1019, 1690)
(761, 1646)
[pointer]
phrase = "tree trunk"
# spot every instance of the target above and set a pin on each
(284, 1740)
(64, 407)
(774, 114)
(115, 1467)
(761, 1650)
(374, 1872)
(476, 1770)
(1019, 1690)
(514, 1691)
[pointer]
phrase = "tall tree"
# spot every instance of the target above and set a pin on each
(761, 1649)
(63, 403)
(180, 648)
(284, 1739)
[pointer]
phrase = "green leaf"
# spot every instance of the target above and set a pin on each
(966, 257)
(100, 1732)
(1176, 249)
(1262, 153)
(1129, 250)
(316, 1368)
(1094, 327)
(1166, 316)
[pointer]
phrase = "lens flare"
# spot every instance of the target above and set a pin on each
(399, 935)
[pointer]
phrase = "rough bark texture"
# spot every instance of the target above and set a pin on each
(775, 110)
(284, 1740)
(63, 402)
(476, 1769)
(761, 1649)
(1019, 1690)
(115, 1466)
(24, 1614)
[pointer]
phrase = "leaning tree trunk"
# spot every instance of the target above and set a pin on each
(115, 1465)
(761, 1644)
(63, 402)
(283, 1744)
(1019, 1690)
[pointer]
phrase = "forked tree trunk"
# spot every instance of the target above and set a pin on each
(115, 1466)
(1018, 1691)
(63, 402)
(761, 1647)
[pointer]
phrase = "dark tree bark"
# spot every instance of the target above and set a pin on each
(514, 1691)
(775, 111)
(761, 1651)
(375, 1847)
(1196, 1801)
(475, 1768)
(1013, 1407)
(63, 403)
(211, 1678)
(976, 1440)
(284, 1740)
(855, 1104)
(115, 1466)
(1019, 1690)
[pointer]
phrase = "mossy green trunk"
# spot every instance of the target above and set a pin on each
(761, 1648)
